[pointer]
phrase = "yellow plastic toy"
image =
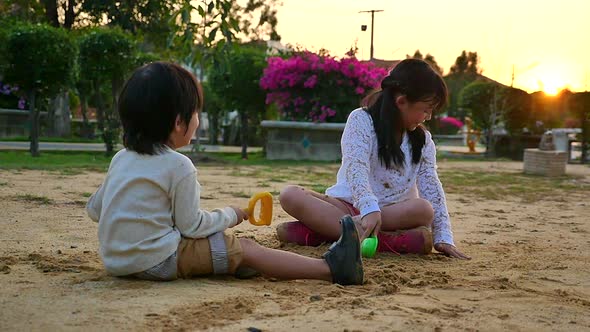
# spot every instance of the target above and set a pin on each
(265, 215)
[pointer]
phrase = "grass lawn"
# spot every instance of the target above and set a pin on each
(52, 139)
(311, 174)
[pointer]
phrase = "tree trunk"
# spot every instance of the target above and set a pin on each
(112, 122)
(51, 12)
(70, 15)
(244, 133)
(34, 119)
(50, 118)
(490, 146)
(99, 112)
(85, 130)
(213, 128)
(103, 120)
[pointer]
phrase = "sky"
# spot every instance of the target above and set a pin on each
(547, 42)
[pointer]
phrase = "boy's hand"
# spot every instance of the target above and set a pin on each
(241, 213)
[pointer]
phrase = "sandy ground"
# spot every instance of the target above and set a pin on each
(530, 269)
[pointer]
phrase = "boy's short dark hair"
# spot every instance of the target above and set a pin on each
(150, 101)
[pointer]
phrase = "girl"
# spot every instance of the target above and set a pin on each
(150, 224)
(388, 159)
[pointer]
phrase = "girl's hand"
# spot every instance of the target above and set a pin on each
(241, 213)
(371, 224)
(450, 250)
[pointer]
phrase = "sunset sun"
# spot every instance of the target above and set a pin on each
(552, 86)
(551, 82)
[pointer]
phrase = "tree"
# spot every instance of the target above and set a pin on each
(198, 41)
(480, 100)
(57, 13)
(548, 111)
(22, 10)
(579, 104)
(195, 42)
(259, 19)
(516, 110)
(239, 86)
(107, 55)
(69, 15)
(214, 107)
(428, 58)
(41, 61)
(477, 99)
(148, 20)
(417, 55)
(4, 30)
(463, 72)
(466, 63)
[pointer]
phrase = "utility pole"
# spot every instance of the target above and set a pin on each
(373, 11)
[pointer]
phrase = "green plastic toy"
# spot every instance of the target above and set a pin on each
(369, 246)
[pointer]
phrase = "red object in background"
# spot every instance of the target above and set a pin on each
(451, 121)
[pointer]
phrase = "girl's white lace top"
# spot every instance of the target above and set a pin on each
(363, 181)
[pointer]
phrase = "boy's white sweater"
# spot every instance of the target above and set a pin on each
(144, 207)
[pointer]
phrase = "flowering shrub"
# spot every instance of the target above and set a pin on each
(449, 125)
(8, 97)
(310, 87)
(451, 121)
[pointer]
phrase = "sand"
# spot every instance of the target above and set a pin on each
(530, 268)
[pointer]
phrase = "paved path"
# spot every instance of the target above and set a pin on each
(57, 146)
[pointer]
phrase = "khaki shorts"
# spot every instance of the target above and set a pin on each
(198, 257)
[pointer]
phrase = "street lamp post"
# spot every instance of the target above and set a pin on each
(364, 27)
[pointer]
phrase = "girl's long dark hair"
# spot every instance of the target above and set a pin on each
(416, 80)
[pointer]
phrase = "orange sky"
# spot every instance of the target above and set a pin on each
(548, 42)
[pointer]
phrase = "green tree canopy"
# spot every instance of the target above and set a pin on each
(238, 83)
(107, 55)
(465, 70)
(40, 58)
(477, 100)
(516, 110)
(149, 19)
(41, 61)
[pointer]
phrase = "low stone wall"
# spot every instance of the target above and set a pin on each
(14, 123)
(293, 140)
(550, 163)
